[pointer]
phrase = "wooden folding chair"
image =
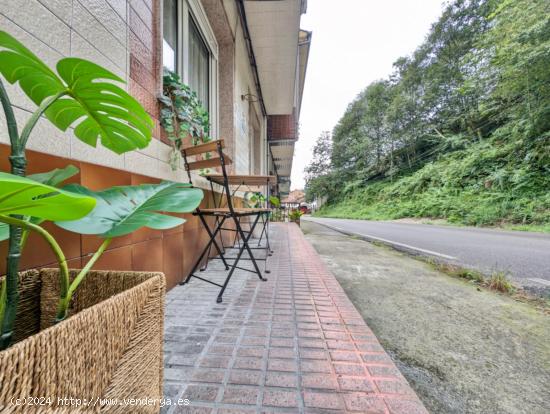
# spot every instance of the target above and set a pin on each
(221, 214)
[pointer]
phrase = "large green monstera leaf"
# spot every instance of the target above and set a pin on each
(20, 195)
(97, 108)
(122, 210)
(52, 178)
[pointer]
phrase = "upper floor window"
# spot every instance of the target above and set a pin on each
(170, 35)
(199, 64)
(185, 49)
(189, 48)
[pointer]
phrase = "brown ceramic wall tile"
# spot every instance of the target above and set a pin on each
(172, 250)
(144, 233)
(119, 258)
(142, 75)
(192, 246)
(145, 98)
(38, 162)
(145, 55)
(96, 177)
(177, 229)
(38, 252)
(148, 256)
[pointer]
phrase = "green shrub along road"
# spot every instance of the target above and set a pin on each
(460, 130)
(483, 184)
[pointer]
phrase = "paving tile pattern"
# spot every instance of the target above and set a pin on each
(293, 344)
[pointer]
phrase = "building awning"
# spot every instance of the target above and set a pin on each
(274, 28)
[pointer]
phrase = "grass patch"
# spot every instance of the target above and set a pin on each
(455, 271)
(500, 282)
(497, 282)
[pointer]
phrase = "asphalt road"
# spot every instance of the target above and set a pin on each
(524, 256)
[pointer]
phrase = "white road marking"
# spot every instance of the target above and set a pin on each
(393, 243)
(541, 281)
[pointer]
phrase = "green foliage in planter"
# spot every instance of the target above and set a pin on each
(80, 94)
(254, 199)
(53, 178)
(295, 215)
(182, 115)
(20, 195)
(122, 210)
(275, 201)
(115, 212)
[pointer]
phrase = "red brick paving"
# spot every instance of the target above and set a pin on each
(294, 344)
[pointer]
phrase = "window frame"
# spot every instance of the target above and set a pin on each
(193, 9)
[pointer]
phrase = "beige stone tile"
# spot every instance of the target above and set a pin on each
(121, 7)
(102, 40)
(152, 150)
(40, 49)
(99, 155)
(108, 17)
(166, 172)
(61, 8)
(83, 49)
(137, 162)
(40, 22)
(44, 138)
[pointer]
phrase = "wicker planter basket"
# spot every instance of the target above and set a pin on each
(110, 347)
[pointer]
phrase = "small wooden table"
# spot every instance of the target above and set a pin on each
(237, 179)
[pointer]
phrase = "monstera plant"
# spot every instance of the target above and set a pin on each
(111, 213)
(23, 196)
(85, 97)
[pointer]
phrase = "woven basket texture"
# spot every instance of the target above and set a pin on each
(110, 346)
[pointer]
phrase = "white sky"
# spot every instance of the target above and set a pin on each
(354, 43)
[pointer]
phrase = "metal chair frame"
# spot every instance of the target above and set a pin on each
(221, 216)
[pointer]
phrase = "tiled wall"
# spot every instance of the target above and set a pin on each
(281, 127)
(172, 251)
(123, 37)
(117, 34)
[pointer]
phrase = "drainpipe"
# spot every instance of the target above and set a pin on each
(251, 57)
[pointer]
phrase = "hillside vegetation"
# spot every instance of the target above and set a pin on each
(460, 130)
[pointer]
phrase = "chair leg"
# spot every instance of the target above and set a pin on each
(270, 252)
(213, 238)
(246, 245)
(221, 251)
(206, 248)
(263, 232)
(241, 251)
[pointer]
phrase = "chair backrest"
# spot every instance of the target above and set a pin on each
(213, 146)
(220, 160)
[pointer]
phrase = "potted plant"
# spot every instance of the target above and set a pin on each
(182, 116)
(79, 333)
(295, 215)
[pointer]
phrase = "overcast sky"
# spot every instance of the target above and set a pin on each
(354, 43)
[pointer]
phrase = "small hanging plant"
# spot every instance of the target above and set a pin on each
(182, 115)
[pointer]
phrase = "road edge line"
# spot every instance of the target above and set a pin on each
(396, 245)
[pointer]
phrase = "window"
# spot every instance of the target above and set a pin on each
(189, 48)
(199, 67)
(170, 35)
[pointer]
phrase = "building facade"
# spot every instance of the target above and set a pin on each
(245, 59)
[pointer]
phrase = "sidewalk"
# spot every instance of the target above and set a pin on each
(292, 344)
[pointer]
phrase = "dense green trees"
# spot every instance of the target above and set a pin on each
(461, 124)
